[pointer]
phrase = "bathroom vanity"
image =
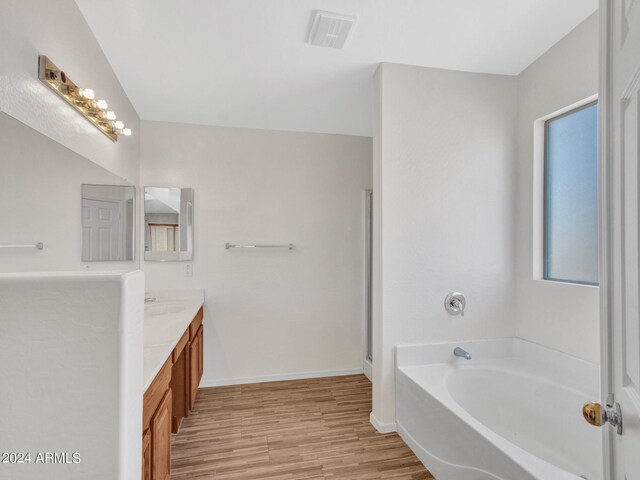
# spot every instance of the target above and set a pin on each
(173, 340)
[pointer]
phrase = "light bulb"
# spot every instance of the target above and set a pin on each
(87, 93)
(102, 104)
(118, 125)
(110, 115)
(126, 132)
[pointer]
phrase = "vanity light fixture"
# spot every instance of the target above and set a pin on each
(82, 99)
(102, 104)
(87, 93)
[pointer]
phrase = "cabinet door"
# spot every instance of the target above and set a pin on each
(200, 353)
(146, 455)
(180, 391)
(194, 369)
(161, 440)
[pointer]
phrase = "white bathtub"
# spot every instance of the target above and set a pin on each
(512, 412)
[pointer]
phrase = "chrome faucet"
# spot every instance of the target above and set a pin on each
(459, 352)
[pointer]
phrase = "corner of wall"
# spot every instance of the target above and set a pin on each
(560, 316)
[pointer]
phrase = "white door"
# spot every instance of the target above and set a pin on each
(620, 295)
(101, 228)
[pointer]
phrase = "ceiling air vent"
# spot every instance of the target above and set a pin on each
(330, 29)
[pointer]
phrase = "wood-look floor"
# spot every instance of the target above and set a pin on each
(303, 429)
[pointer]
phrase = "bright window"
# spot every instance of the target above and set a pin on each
(164, 238)
(571, 196)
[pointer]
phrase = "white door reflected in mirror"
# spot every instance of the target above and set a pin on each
(108, 223)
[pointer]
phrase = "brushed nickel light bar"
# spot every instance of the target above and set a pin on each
(81, 99)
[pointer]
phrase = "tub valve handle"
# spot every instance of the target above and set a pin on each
(454, 303)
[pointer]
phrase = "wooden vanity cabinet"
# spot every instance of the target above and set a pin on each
(180, 382)
(195, 357)
(161, 440)
(200, 354)
(156, 426)
(146, 455)
(169, 399)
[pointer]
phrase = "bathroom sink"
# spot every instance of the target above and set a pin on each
(164, 308)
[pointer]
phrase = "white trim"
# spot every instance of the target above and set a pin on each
(538, 190)
(605, 183)
(280, 377)
(381, 427)
(368, 370)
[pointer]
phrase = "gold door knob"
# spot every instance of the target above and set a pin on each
(592, 413)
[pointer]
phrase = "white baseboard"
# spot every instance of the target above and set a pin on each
(280, 377)
(380, 426)
(368, 370)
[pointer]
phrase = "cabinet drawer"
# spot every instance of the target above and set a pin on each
(156, 391)
(195, 324)
(182, 343)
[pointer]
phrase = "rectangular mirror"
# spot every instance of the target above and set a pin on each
(168, 223)
(108, 219)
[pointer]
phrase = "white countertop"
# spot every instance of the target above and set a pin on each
(165, 321)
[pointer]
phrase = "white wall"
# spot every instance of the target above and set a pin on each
(40, 201)
(269, 312)
(444, 180)
(562, 316)
(71, 357)
(58, 29)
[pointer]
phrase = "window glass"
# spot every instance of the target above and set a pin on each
(164, 238)
(571, 197)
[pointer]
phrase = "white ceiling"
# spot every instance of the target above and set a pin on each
(245, 63)
(161, 200)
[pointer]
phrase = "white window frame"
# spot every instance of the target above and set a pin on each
(538, 191)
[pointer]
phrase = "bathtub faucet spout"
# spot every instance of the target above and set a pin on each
(459, 352)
